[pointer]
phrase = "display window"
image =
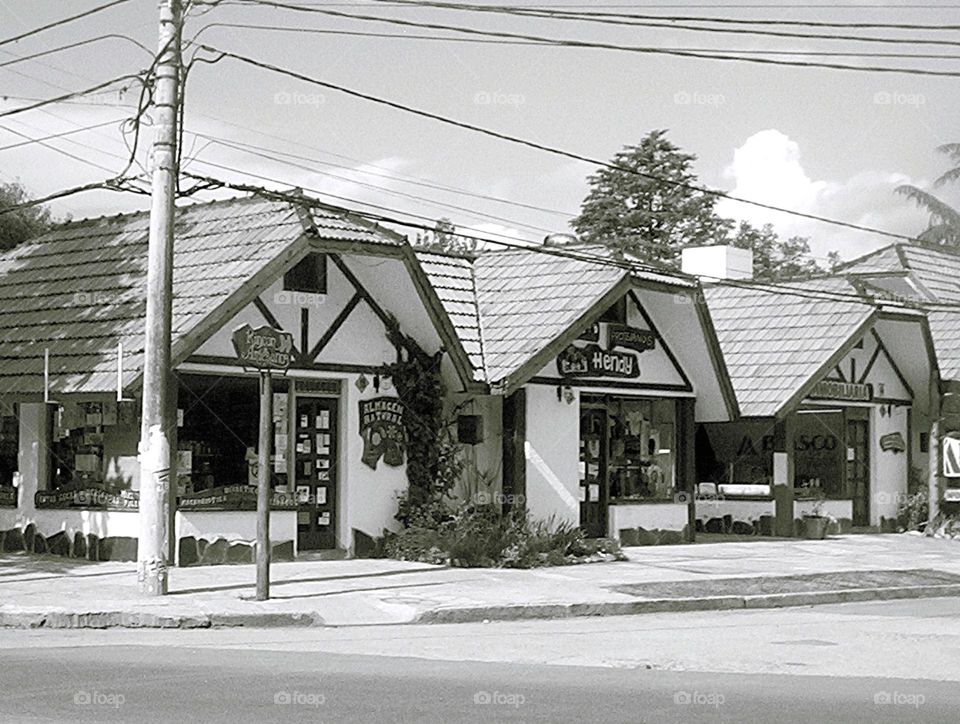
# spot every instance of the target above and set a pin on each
(82, 438)
(9, 442)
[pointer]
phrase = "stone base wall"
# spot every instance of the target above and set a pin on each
(70, 545)
(217, 551)
(651, 537)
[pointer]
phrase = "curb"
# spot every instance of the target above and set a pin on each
(134, 619)
(679, 605)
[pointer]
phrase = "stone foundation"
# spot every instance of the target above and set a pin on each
(653, 537)
(201, 552)
(61, 543)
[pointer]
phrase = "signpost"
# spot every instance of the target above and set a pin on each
(264, 349)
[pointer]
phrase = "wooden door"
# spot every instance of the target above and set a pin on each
(316, 472)
(593, 471)
(858, 469)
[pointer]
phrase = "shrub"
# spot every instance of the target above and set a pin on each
(417, 543)
(913, 511)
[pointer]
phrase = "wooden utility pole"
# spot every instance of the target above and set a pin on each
(157, 425)
(263, 486)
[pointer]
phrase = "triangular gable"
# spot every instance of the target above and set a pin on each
(867, 373)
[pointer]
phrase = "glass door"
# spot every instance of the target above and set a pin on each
(316, 472)
(858, 469)
(593, 471)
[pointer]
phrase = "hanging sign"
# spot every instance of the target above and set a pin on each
(381, 427)
(951, 457)
(894, 441)
(847, 391)
(621, 335)
(263, 348)
(592, 361)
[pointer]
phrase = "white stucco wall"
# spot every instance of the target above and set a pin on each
(745, 510)
(235, 525)
(839, 509)
(552, 452)
(649, 516)
(102, 523)
(888, 485)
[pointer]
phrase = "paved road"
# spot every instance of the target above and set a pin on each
(654, 668)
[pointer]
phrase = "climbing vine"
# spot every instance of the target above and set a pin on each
(432, 460)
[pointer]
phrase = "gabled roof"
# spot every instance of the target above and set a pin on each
(509, 306)
(79, 289)
(776, 342)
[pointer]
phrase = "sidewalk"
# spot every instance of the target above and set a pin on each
(57, 592)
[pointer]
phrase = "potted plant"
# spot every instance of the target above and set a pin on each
(814, 521)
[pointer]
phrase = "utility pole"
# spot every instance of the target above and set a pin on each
(157, 420)
(263, 486)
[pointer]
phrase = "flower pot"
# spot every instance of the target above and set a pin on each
(815, 527)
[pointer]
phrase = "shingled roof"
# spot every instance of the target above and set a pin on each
(507, 306)
(774, 342)
(80, 289)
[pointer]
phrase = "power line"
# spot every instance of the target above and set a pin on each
(73, 94)
(88, 41)
(111, 184)
(63, 21)
(60, 135)
(43, 143)
(533, 43)
(548, 11)
(568, 43)
(548, 149)
(607, 21)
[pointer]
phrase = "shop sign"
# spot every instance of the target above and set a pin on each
(8, 496)
(846, 391)
(951, 495)
(894, 441)
(951, 457)
(592, 361)
(621, 335)
(263, 348)
(88, 497)
(381, 427)
(235, 497)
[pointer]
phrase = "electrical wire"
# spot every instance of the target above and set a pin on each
(548, 149)
(78, 44)
(63, 134)
(62, 21)
(43, 143)
(111, 184)
(71, 95)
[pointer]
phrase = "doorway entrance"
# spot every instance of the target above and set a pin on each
(593, 470)
(316, 472)
(858, 467)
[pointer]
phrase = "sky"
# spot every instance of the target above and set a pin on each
(827, 142)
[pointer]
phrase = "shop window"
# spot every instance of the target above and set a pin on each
(91, 442)
(309, 275)
(9, 442)
(217, 441)
(642, 453)
(616, 313)
(821, 454)
(739, 453)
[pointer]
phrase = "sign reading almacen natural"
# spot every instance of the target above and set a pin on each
(263, 348)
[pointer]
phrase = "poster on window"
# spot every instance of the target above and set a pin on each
(381, 427)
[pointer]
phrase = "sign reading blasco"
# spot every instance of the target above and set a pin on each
(381, 427)
(592, 361)
(263, 348)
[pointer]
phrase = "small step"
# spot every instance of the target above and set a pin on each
(330, 554)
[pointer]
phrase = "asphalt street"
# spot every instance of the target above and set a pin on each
(755, 667)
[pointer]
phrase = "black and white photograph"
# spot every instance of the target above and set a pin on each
(480, 361)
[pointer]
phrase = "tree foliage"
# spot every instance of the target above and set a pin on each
(944, 226)
(21, 224)
(654, 220)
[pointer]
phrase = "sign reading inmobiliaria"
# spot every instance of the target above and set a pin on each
(263, 348)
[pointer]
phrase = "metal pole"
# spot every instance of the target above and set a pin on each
(156, 419)
(263, 486)
(934, 445)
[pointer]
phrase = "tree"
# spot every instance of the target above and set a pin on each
(21, 224)
(775, 259)
(644, 217)
(944, 226)
(653, 220)
(444, 238)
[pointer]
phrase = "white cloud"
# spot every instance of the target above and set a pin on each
(768, 168)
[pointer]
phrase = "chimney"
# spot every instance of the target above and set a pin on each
(717, 262)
